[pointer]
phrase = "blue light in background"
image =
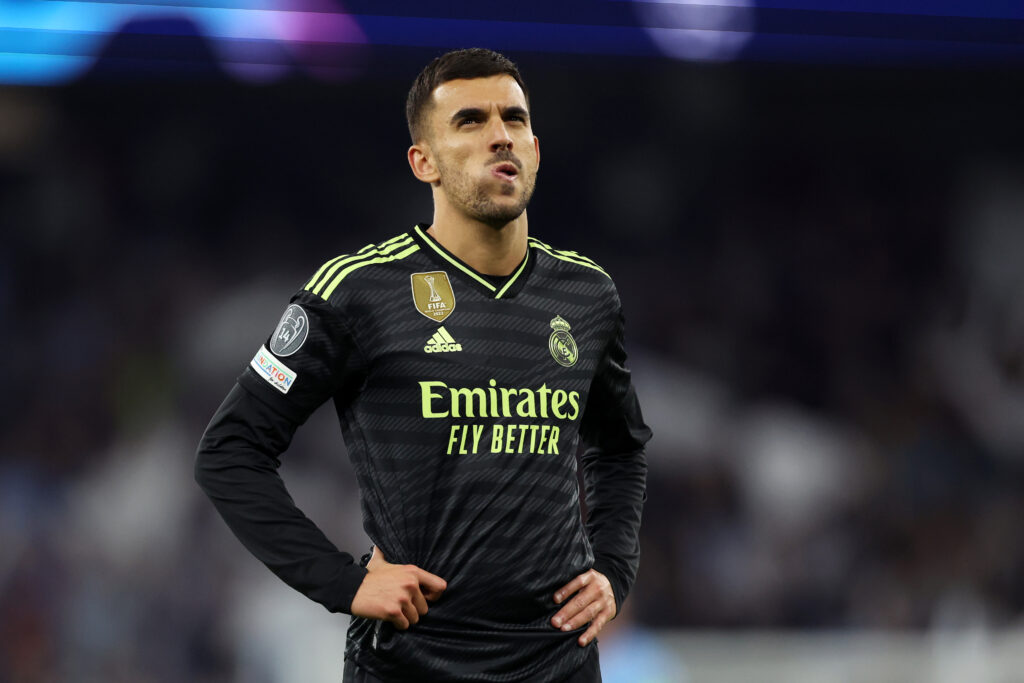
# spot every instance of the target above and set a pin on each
(55, 41)
(40, 69)
(991, 9)
(699, 30)
(58, 40)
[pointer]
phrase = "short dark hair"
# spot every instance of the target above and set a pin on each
(474, 62)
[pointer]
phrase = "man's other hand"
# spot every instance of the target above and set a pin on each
(593, 603)
(395, 592)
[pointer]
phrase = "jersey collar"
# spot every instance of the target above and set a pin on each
(505, 290)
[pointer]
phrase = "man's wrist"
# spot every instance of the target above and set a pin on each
(607, 567)
(349, 582)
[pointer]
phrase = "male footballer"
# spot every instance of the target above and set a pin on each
(466, 361)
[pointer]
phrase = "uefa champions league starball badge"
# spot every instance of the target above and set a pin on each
(561, 344)
(291, 332)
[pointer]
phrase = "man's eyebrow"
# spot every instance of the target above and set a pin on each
(515, 110)
(465, 113)
(477, 112)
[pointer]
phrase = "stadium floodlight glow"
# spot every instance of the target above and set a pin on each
(698, 30)
(56, 41)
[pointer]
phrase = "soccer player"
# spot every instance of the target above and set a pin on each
(466, 360)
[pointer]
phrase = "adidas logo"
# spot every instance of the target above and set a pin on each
(442, 342)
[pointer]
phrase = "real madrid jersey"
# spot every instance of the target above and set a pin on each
(462, 400)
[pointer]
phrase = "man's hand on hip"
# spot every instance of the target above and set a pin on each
(395, 592)
(593, 603)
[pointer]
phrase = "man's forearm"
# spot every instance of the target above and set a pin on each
(236, 466)
(615, 494)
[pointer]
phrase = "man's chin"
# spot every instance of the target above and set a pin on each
(499, 217)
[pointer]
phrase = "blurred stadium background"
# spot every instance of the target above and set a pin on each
(814, 212)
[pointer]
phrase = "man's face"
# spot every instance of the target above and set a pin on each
(484, 147)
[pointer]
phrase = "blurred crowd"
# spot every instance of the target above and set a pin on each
(821, 275)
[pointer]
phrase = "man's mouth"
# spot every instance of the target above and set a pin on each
(506, 171)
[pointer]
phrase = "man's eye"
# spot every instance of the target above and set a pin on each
(468, 120)
(517, 117)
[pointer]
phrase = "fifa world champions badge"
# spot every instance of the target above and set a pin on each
(432, 294)
(561, 344)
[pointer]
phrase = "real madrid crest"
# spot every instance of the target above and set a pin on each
(561, 344)
(433, 295)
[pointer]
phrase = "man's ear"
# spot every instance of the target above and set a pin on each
(421, 161)
(536, 149)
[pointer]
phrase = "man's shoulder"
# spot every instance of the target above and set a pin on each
(342, 271)
(570, 263)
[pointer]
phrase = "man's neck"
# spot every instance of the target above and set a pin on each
(485, 249)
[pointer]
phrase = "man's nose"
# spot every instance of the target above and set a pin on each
(500, 139)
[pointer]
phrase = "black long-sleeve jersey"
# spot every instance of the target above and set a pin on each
(462, 399)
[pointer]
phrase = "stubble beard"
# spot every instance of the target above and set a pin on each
(474, 197)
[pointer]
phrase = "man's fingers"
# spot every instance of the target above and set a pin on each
(419, 602)
(571, 587)
(410, 613)
(567, 618)
(593, 603)
(433, 584)
(596, 612)
(595, 628)
(586, 614)
(395, 593)
(399, 620)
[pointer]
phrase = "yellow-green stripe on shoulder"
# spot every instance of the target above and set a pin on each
(327, 269)
(569, 256)
(319, 273)
(330, 275)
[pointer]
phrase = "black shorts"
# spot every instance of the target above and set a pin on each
(590, 672)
